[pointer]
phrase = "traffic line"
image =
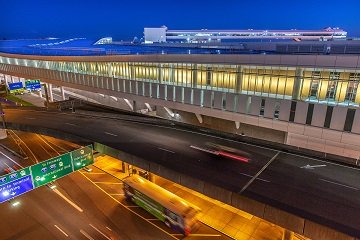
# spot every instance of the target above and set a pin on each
(339, 184)
(93, 173)
(30, 118)
(71, 124)
(111, 134)
(204, 235)
(258, 173)
(108, 183)
(10, 159)
(248, 175)
(68, 200)
(99, 231)
(117, 194)
(166, 150)
(108, 228)
(62, 231)
(86, 234)
(127, 207)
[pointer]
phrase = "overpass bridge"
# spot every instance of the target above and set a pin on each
(290, 190)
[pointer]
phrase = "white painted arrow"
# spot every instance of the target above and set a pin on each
(312, 166)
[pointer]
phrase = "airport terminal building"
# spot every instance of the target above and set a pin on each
(163, 34)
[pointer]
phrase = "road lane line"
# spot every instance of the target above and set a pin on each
(86, 234)
(111, 134)
(71, 124)
(99, 231)
(259, 172)
(62, 231)
(30, 118)
(39, 136)
(36, 160)
(10, 159)
(117, 194)
(127, 207)
(68, 200)
(107, 183)
(108, 228)
(166, 150)
(204, 235)
(248, 175)
(339, 184)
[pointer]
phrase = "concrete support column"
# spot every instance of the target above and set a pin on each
(172, 73)
(239, 78)
(159, 68)
(199, 117)
(40, 93)
(297, 83)
(62, 93)
(194, 76)
(287, 235)
(132, 107)
(3, 134)
(237, 125)
(50, 93)
(110, 72)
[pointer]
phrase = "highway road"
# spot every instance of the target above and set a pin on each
(82, 206)
(325, 192)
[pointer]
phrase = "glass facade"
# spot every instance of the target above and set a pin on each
(330, 86)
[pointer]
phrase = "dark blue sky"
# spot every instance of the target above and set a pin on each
(126, 19)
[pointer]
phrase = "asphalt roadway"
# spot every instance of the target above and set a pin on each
(324, 192)
(84, 205)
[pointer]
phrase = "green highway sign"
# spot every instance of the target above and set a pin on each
(26, 179)
(14, 175)
(51, 169)
(82, 157)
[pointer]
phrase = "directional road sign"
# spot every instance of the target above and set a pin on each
(15, 188)
(82, 157)
(51, 169)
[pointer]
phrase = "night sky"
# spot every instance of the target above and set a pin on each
(123, 20)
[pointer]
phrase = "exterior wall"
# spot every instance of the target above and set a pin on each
(233, 93)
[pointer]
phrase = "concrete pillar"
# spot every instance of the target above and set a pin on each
(110, 72)
(172, 73)
(239, 78)
(51, 97)
(6, 80)
(297, 83)
(3, 134)
(40, 93)
(194, 76)
(287, 235)
(62, 93)
(237, 125)
(199, 117)
(159, 68)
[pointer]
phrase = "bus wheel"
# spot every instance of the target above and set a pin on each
(167, 223)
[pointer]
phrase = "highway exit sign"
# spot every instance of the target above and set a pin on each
(26, 179)
(52, 169)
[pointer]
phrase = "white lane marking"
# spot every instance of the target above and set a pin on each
(108, 228)
(312, 167)
(32, 153)
(166, 150)
(248, 175)
(110, 134)
(117, 194)
(339, 184)
(68, 200)
(62, 231)
(39, 136)
(10, 159)
(259, 172)
(30, 118)
(71, 124)
(99, 231)
(86, 234)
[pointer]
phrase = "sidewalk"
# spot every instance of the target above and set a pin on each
(222, 217)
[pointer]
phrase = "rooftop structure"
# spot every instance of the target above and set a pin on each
(163, 34)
